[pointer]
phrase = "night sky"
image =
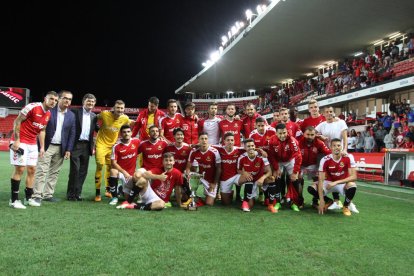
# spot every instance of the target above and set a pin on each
(128, 50)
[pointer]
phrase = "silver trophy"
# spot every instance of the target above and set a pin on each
(194, 180)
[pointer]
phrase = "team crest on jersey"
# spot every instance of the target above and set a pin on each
(159, 147)
(315, 150)
(133, 147)
(236, 125)
(177, 121)
(183, 153)
(341, 164)
(208, 158)
(257, 165)
(286, 147)
(47, 118)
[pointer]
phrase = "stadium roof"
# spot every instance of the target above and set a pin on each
(294, 37)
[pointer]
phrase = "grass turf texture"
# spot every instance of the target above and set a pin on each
(88, 238)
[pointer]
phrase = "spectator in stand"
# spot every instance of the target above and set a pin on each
(349, 118)
(397, 120)
(410, 132)
(389, 140)
(360, 143)
(369, 142)
(408, 143)
(386, 121)
(410, 46)
(352, 141)
(399, 140)
(379, 137)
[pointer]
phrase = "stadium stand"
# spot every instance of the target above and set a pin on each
(6, 125)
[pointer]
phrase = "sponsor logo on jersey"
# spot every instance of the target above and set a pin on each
(38, 125)
(155, 156)
(129, 156)
(228, 161)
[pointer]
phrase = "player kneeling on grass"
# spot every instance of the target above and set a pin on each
(139, 184)
(254, 171)
(164, 180)
(337, 174)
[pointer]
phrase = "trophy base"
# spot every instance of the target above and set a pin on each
(191, 208)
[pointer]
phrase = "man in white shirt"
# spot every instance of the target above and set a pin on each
(59, 141)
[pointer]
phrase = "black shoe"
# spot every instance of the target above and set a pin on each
(71, 198)
(78, 198)
(51, 199)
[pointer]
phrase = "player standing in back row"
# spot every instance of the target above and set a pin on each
(30, 123)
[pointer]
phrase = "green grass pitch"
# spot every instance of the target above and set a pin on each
(88, 238)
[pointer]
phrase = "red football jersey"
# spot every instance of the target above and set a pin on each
(207, 162)
(168, 124)
(152, 153)
(36, 119)
(253, 166)
(284, 151)
(312, 122)
(310, 151)
(180, 155)
(190, 127)
(262, 140)
(249, 124)
(293, 129)
(336, 170)
(235, 127)
(229, 161)
(164, 188)
(126, 155)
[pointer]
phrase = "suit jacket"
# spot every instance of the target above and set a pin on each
(68, 130)
(78, 122)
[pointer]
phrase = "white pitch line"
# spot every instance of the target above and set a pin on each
(388, 188)
(393, 197)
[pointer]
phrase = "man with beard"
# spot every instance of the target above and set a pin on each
(310, 147)
(152, 149)
(284, 154)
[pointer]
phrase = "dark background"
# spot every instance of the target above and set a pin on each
(128, 50)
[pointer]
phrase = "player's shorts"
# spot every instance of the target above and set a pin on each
(103, 155)
(310, 172)
(226, 185)
(340, 188)
(206, 187)
(29, 158)
(288, 166)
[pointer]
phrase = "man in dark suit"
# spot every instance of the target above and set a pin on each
(86, 124)
(59, 139)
